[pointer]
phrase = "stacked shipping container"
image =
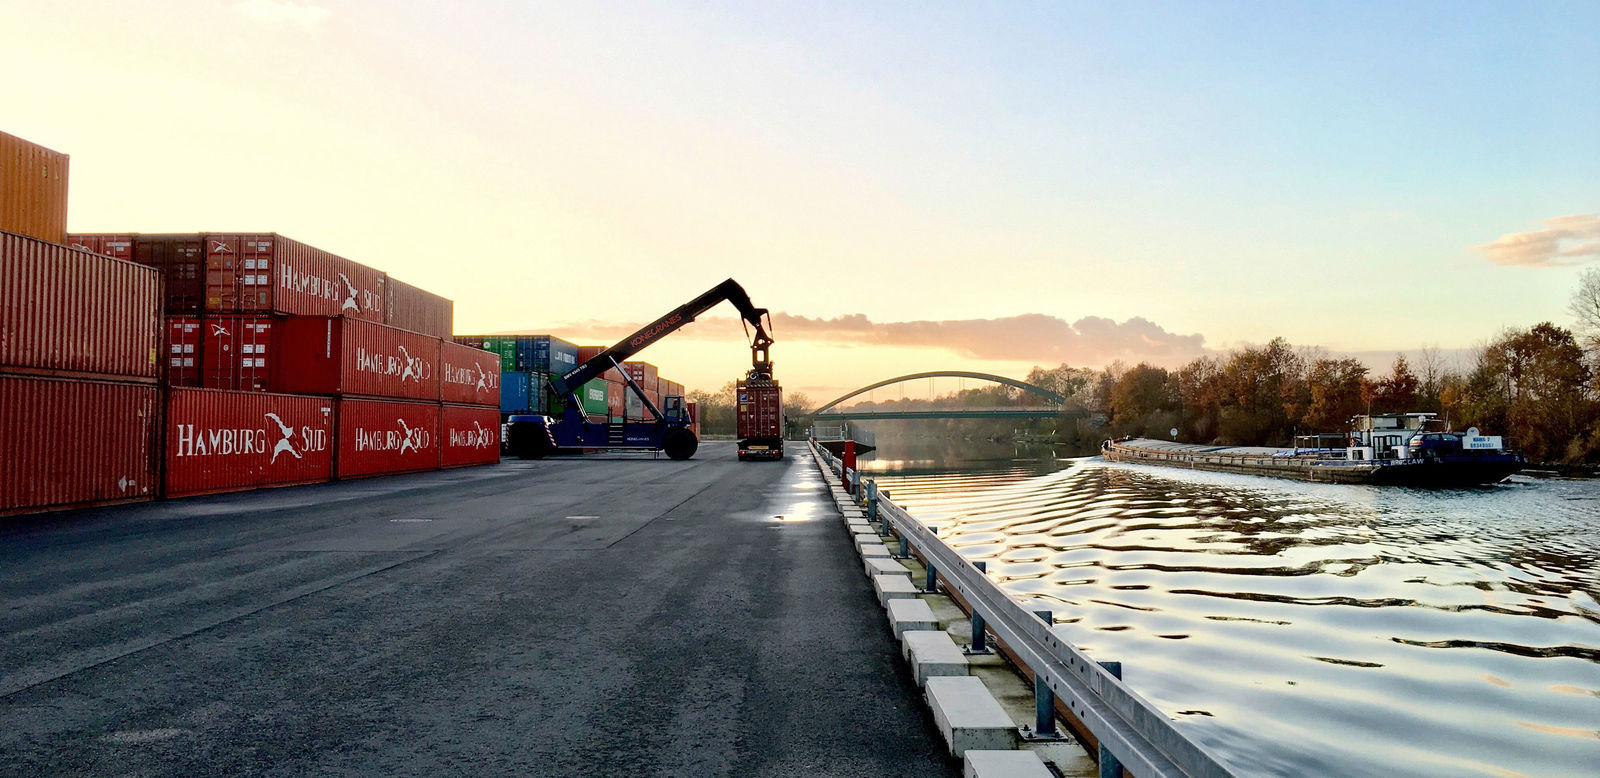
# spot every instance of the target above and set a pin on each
(33, 189)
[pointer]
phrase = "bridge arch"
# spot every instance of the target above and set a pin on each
(1027, 387)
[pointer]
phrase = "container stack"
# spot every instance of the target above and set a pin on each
(344, 371)
(527, 362)
(137, 365)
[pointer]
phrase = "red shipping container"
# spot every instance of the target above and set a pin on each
(468, 376)
(239, 353)
(586, 353)
(644, 374)
(330, 355)
(418, 310)
(694, 417)
(219, 441)
(469, 435)
(181, 345)
(183, 259)
(116, 246)
(616, 400)
(760, 409)
(385, 436)
(65, 310)
(268, 273)
(72, 443)
(33, 189)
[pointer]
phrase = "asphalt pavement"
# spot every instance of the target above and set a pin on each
(608, 616)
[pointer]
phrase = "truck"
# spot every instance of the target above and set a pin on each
(668, 428)
(759, 416)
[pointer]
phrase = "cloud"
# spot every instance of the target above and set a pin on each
(296, 12)
(1567, 240)
(1030, 337)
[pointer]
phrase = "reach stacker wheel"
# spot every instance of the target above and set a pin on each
(680, 444)
(529, 441)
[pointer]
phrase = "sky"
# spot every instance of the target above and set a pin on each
(912, 186)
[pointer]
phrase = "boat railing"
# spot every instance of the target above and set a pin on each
(1129, 729)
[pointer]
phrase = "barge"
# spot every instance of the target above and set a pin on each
(1410, 449)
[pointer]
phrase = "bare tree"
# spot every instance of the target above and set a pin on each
(1585, 307)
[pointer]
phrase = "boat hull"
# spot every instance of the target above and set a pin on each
(1446, 472)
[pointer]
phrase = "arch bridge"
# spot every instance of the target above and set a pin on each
(1051, 411)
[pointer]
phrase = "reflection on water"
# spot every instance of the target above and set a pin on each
(1302, 629)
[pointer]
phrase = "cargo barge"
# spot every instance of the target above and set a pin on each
(1408, 449)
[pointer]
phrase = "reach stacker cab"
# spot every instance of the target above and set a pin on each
(533, 436)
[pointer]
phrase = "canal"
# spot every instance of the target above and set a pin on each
(1296, 628)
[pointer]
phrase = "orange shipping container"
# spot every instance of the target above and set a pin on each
(74, 443)
(33, 189)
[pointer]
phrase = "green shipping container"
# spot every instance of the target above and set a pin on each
(592, 395)
(506, 348)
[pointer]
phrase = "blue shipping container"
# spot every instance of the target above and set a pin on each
(523, 392)
(552, 355)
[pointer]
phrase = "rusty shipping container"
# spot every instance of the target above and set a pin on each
(68, 443)
(220, 441)
(469, 435)
(333, 355)
(411, 308)
(183, 258)
(760, 410)
(33, 189)
(239, 352)
(181, 345)
(586, 353)
(377, 437)
(644, 374)
(268, 273)
(116, 246)
(65, 310)
(468, 376)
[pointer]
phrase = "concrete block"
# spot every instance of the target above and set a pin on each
(860, 528)
(876, 551)
(880, 566)
(933, 654)
(907, 615)
(968, 716)
(893, 587)
(867, 539)
(1004, 764)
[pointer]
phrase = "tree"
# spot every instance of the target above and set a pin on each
(1585, 307)
(1336, 387)
(1267, 386)
(1399, 391)
(1535, 383)
(1141, 401)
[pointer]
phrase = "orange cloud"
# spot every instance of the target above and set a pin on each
(1567, 240)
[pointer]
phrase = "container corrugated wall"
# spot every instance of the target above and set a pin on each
(219, 441)
(114, 245)
(319, 355)
(183, 258)
(71, 443)
(469, 435)
(33, 189)
(377, 437)
(468, 376)
(760, 409)
(418, 310)
(64, 309)
(268, 273)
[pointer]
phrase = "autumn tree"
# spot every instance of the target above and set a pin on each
(1336, 387)
(1398, 392)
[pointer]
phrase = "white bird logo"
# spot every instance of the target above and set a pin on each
(410, 441)
(283, 445)
(411, 369)
(350, 300)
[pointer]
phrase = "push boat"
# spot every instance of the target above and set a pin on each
(1410, 449)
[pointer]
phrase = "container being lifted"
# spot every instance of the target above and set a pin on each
(665, 428)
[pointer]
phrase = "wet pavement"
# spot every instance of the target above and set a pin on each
(600, 616)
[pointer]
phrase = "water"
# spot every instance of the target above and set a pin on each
(1304, 629)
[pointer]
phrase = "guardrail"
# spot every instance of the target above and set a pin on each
(1131, 733)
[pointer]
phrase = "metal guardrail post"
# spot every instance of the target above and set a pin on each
(872, 500)
(1044, 700)
(1110, 766)
(978, 630)
(933, 572)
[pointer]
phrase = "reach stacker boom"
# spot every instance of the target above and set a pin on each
(533, 436)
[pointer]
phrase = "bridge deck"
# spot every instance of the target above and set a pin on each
(610, 615)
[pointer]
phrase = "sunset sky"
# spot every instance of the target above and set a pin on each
(915, 186)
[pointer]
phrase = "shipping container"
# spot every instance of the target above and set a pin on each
(239, 352)
(377, 437)
(633, 408)
(593, 397)
(333, 355)
(116, 246)
(586, 353)
(182, 346)
(616, 402)
(72, 443)
(550, 354)
(65, 310)
(468, 435)
(505, 348)
(268, 273)
(760, 409)
(183, 259)
(468, 376)
(694, 417)
(418, 310)
(33, 189)
(524, 392)
(475, 341)
(644, 374)
(218, 441)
